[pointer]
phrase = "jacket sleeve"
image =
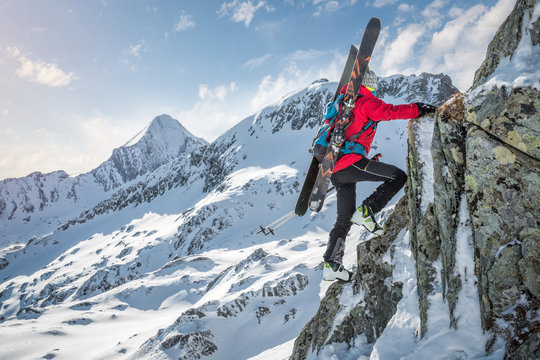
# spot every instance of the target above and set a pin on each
(377, 110)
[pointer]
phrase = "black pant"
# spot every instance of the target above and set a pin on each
(345, 182)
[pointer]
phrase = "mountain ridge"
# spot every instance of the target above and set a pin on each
(56, 195)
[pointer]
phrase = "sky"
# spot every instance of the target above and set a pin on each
(81, 77)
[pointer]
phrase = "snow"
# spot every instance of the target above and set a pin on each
(400, 339)
(522, 68)
(424, 135)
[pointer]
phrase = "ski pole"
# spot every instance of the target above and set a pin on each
(282, 220)
(268, 229)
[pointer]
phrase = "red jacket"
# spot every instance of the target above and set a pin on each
(369, 108)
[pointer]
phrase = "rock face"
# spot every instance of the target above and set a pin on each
(482, 177)
(427, 88)
(376, 296)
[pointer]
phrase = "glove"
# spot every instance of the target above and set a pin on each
(424, 109)
(376, 157)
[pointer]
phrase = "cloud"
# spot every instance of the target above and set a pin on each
(219, 92)
(432, 14)
(218, 118)
(330, 6)
(460, 46)
(38, 29)
(446, 38)
(255, 63)
(242, 11)
(39, 71)
(135, 50)
(400, 51)
(381, 3)
(75, 144)
(185, 22)
(299, 69)
(405, 7)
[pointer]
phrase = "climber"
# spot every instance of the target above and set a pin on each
(354, 167)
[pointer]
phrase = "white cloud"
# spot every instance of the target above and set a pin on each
(460, 46)
(298, 71)
(381, 3)
(400, 51)
(433, 14)
(242, 11)
(217, 119)
(39, 71)
(132, 52)
(405, 7)
(135, 50)
(38, 29)
(185, 22)
(451, 40)
(13, 51)
(76, 145)
(330, 6)
(219, 92)
(255, 63)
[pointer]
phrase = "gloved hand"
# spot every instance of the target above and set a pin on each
(376, 157)
(424, 109)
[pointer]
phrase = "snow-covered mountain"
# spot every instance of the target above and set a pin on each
(170, 264)
(39, 203)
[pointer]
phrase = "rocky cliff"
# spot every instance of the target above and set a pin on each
(469, 221)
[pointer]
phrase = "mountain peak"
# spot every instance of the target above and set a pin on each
(162, 125)
(162, 140)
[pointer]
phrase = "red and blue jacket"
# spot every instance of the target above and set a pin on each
(367, 113)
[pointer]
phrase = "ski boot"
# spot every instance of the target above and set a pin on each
(364, 216)
(334, 271)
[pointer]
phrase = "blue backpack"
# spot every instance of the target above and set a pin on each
(321, 141)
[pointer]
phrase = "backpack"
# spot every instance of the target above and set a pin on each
(321, 140)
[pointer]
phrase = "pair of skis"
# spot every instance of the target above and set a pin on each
(317, 179)
(315, 186)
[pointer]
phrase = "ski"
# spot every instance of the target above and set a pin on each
(326, 168)
(305, 193)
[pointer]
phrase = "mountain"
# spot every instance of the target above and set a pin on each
(38, 203)
(170, 264)
(162, 141)
(455, 275)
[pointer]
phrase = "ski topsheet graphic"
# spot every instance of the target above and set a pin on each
(307, 188)
(320, 186)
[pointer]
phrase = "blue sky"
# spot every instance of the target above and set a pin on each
(81, 77)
